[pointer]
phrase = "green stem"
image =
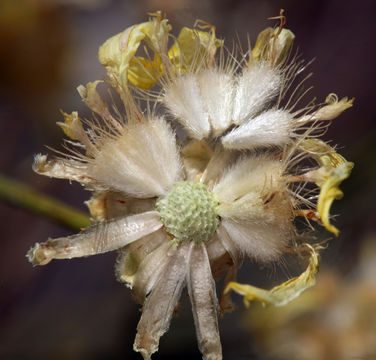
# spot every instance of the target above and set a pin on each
(21, 195)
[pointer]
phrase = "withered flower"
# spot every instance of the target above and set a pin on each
(185, 211)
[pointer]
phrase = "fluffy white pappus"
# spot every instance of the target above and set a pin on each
(255, 87)
(260, 175)
(184, 101)
(254, 190)
(217, 90)
(143, 162)
(263, 243)
(209, 101)
(272, 127)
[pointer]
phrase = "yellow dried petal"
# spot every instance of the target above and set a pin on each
(92, 99)
(334, 108)
(260, 49)
(334, 169)
(191, 48)
(144, 73)
(323, 153)
(281, 45)
(272, 45)
(330, 191)
(71, 126)
(284, 293)
(117, 52)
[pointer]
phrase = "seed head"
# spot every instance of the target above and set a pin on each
(188, 212)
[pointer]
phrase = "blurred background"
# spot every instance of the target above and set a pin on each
(76, 309)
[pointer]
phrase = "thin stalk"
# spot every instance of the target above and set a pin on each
(24, 196)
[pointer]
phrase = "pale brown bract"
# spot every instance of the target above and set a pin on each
(184, 212)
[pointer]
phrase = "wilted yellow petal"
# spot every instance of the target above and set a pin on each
(281, 45)
(92, 99)
(334, 108)
(272, 45)
(191, 48)
(334, 169)
(323, 153)
(330, 191)
(144, 73)
(71, 126)
(117, 52)
(284, 293)
(259, 50)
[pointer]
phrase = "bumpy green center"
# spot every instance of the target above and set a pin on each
(188, 212)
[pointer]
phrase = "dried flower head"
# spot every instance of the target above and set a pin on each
(185, 211)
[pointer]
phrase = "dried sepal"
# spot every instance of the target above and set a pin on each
(130, 257)
(202, 292)
(96, 239)
(60, 169)
(284, 293)
(225, 302)
(149, 270)
(159, 306)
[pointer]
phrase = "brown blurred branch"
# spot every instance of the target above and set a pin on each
(21, 195)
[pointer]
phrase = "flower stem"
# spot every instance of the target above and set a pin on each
(21, 195)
